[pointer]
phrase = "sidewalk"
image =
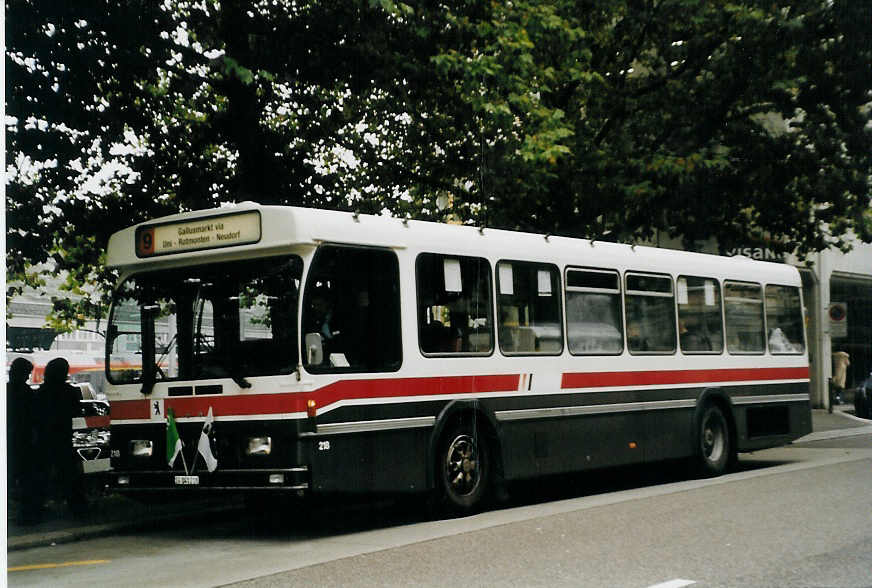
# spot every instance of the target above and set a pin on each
(113, 513)
(840, 423)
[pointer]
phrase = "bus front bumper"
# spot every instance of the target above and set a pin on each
(289, 480)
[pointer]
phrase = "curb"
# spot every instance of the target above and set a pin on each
(835, 434)
(852, 417)
(850, 431)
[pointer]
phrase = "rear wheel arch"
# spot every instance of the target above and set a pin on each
(722, 399)
(717, 398)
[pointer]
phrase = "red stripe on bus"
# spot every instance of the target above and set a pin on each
(399, 387)
(96, 422)
(295, 402)
(129, 409)
(666, 377)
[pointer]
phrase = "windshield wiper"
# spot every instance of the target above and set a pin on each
(240, 381)
(238, 378)
(166, 352)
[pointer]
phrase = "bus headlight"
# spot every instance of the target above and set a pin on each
(259, 446)
(141, 448)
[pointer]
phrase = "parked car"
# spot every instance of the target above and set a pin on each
(863, 399)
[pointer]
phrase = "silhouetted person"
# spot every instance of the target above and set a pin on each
(58, 403)
(19, 433)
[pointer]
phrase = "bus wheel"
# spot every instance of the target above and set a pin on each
(714, 442)
(464, 469)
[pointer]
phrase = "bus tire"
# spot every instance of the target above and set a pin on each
(463, 468)
(714, 442)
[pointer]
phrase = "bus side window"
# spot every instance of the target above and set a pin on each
(593, 312)
(650, 304)
(700, 326)
(743, 310)
(352, 302)
(528, 304)
(784, 320)
(454, 304)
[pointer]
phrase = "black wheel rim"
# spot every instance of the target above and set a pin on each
(462, 469)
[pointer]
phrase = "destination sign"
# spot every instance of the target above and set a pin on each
(212, 232)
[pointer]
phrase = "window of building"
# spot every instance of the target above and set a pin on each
(853, 333)
(351, 311)
(700, 323)
(593, 312)
(743, 309)
(528, 305)
(784, 320)
(650, 304)
(454, 304)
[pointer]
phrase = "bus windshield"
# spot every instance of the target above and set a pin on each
(222, 320)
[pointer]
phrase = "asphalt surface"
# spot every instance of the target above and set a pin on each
(110, 513)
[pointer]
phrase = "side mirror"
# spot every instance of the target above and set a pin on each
(111, 335)
(314, 349)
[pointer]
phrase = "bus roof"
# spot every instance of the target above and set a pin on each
(256, 230)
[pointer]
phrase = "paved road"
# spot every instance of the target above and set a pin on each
(795, 516)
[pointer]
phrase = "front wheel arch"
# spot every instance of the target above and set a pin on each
(464, 410)
(457, 420)
(463, 468)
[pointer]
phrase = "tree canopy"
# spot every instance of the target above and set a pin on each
(615, 119)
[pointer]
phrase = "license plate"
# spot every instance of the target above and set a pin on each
(96, 465)
(187, 480)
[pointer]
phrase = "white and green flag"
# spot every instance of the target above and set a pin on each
(174, 443)
(203, 445)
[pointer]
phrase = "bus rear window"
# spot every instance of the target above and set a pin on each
(784, 320)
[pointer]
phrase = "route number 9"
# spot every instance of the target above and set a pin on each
(145, 242)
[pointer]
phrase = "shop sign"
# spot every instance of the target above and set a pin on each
(759, 253)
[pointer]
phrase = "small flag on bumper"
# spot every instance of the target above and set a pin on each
(174, 443)
(203, 445)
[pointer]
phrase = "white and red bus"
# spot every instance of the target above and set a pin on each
(319, 352)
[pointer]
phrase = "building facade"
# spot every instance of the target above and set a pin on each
(838, 298)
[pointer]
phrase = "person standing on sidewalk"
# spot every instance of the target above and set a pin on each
(20, 435)
(841, 361)
(58, 403)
